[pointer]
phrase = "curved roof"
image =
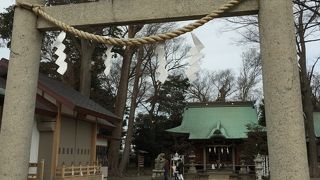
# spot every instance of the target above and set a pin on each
(230, 119)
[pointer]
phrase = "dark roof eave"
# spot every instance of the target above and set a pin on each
(106, 126)
(180, 134)
(97, 114)
(111, 126)
(59, 98)
(72, 106)
(45, 112)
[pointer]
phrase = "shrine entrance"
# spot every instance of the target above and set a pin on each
(219, 157)
(282, 93)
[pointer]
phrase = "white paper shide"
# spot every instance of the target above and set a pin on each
(60, 53)
(195, 56)
(107, 57)
(161, 70)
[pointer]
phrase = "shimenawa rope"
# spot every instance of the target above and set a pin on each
(37, 9)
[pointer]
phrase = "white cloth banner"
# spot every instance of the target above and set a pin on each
(59, 52)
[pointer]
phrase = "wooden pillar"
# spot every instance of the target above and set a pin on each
(40, 169)
(233, 158)
(204, 159)
(93, 155)
(56, 143)
(284, 116)
(21, 88)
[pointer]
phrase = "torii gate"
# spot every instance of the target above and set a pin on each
(286, 133)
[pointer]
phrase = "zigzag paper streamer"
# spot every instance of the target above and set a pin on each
(196, 55)
(107, 57)
(59, 52)
(161, 70)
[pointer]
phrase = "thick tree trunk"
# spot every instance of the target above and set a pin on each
(120, 104)
(135, 92)
(87, 50)
(308, 109)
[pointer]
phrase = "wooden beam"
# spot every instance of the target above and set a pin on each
(123, 12)
(56, 143)
(93, 155)
(204, 158)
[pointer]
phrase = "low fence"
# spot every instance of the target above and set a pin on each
(36, 171)
(265, 166)
(78, 171)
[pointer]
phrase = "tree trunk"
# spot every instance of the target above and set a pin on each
(308, 109)
(87, 50)
(120, 104)
(135, 92)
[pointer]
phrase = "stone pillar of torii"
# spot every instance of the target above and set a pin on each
(286, 134)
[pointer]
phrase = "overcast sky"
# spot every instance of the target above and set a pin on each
(221, 50)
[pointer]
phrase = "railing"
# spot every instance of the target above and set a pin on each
(81, 170)
(36, 171)
(265, 166)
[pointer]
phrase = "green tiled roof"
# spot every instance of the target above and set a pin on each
(207, 121)
(316, 119)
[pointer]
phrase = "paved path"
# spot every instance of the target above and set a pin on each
(149, 178)
(131, 178)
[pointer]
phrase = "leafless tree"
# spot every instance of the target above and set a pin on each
(142, 75)
(176, 51)
(306, 15)
(250, 74)
(315, 85)
(121, 100)
(307, 23)
(133, 106)
(202, 90)
(212, 86)
(224, 81)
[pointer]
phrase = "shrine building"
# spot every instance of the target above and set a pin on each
(217, 131)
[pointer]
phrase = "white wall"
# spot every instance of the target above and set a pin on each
(34, 147)
(34, 143)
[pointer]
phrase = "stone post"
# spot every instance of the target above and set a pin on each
(285, 124)
(258, 167)
(20, 95)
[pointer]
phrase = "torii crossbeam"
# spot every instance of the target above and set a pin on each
(286, 134)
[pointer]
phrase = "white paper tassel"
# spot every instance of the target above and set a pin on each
(59, 52)
(195, 53)
(197, 42)
(161, 70)
(107, 57)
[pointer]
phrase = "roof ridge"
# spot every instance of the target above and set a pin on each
(221, 104)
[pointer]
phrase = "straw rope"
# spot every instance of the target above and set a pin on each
(38, 10)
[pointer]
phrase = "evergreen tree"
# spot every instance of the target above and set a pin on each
(150, 134)
(257, 137)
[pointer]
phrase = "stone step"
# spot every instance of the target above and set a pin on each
(218, 177)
